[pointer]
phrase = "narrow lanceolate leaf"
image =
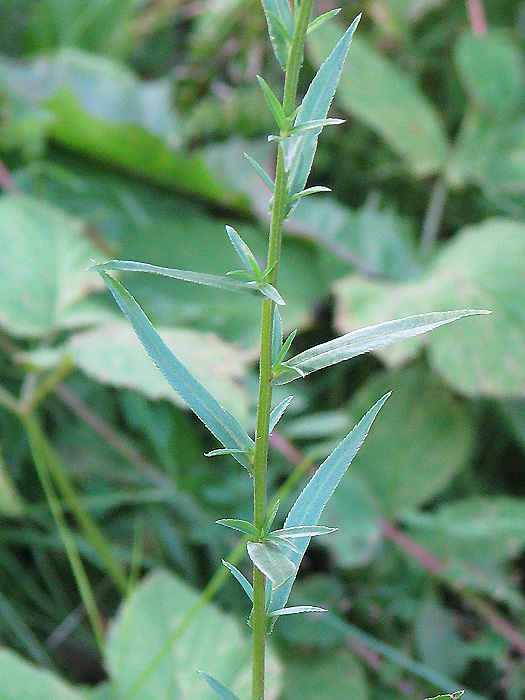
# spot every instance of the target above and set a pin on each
(228, 283)
(280, 27)
(308, 191)
(216, 418)
(277, 413)
(271, 293)
(300, 149)
(217, 453)
(261, 173)
(241, 526)
(271, 562)
(272, 512)
(297, 609)
(315, 124)
(308, 507)
(247, 587)
(246, 256)
(319, 21)
(453, 696)
(277, 336)
(304, 531)
(221, 690)
(282, 543)
(366, 340)
(273, 103)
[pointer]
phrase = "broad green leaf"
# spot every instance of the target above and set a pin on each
(280, 27)
(438, 642)
(355, 511)
(227, 283)
(101, 109)
(483, 266)
(246, 586)
(336, 674)
(111, 354)
(43, 268)
(11, 504)
(144, 633)
(434, 438)
(217, 419)
(220, 689)
(390, 103)
(485, 531)
(310, 504)
(300, 149)
(277, 413)
(296, 610)
(493, 72)
(19, 679)
(302, 531)
(366, 340)
(271, 562)
(240, 525)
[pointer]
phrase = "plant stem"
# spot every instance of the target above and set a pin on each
(265, 365)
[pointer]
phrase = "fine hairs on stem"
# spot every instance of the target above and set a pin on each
(276, 553)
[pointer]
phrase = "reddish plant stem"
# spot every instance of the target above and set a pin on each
(6, 179)
(428, 561)
(477, 17)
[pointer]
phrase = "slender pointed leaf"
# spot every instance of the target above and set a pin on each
(271, 516)
(308, 191)
(300, 149)
(203, 278)
(453, 696)
(297, 609)
(365, 340)
(277, 335)
(217, 453)
(217, 419)
(280, 27)
(245, 254)
(240, 525)
(271, 562)
(271, 293)
(321, 19)
(277, 413)
(221, 690)
(315, 124)
(261, 173)
(285, 347)
(311, 502)
(283, 543)
(273, 103)
(247, 587)
(305, 531)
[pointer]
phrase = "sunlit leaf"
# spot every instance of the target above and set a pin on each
(271, 562)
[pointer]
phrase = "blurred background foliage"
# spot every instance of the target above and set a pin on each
(123, 125)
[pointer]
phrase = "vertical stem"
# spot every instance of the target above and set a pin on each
(265, 365)
(477, 17)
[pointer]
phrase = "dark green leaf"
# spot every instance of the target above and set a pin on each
(241, 526)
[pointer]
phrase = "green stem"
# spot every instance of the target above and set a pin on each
(265, 366)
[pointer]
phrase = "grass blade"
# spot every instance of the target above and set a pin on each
(216, 418)
(366, 340)
(308, 507)
(300, 149)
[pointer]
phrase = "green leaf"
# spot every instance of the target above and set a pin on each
(321, 19)
(271, 562)
(417, 468)
(246, 256)
(280, 27)
(247, 587)
(272, 513)
(273, 103)
(217, 419)
(218, 453)
(366, 340)
(112, 354)
(43, 276)
(483, 266)
(297, 609)
(410, 125)
(11, 504)
(300, 149)
(277, 335)
(203, 278)
(310, 504)
(23, 680)
(302, 531)
(453, 696)
(271, 293)
(241, 526)
(438, 642)
(308, 191)
(277, 413)
(144, 643)
(221, 690)
(262, 174)
(315, 124)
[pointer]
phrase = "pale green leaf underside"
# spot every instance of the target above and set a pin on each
(217, 419)
(271, 562)
(366, 340)
(279, 10)
(221, 690)
(308, 507)
(305, 531)
(300, 149)
(228, 283)
(297, 609)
